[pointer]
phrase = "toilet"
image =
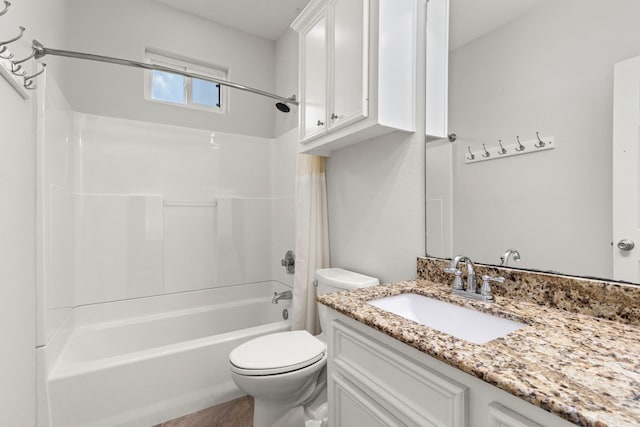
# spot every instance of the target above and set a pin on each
(285, 371)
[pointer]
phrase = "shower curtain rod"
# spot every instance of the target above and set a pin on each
(41, 51)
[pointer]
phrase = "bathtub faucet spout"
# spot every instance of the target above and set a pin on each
(277, 296)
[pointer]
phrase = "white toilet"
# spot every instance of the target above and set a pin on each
(284, 371)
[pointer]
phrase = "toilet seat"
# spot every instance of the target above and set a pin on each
(277, 353)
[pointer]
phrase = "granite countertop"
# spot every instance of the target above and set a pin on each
(581, 368)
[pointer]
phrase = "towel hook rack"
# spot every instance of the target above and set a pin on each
(33, 54)
(7, 5)
(18, 37)
(28, 80)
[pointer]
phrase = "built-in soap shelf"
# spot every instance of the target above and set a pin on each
(502, 150)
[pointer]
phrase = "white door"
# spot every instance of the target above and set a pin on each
(349, 52)
(626, 188)
(314, 78)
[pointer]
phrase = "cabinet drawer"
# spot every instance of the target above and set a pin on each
(408, 389)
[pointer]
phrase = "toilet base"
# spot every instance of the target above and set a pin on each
(267, 413)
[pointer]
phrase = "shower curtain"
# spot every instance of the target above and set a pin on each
(311, 240)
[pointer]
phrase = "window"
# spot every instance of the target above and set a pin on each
(192, 92)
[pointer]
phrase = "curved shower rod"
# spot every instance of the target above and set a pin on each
(41, 51)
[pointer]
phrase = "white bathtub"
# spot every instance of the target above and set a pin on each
(165, 356)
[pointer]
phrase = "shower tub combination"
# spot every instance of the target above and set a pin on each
(141, 362)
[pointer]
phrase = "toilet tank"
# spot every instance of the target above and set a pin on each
(335, 280)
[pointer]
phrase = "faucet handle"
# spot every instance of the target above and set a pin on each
(457, 281)
(486, 290)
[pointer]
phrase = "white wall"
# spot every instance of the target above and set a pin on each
(17, 210)
(376, 199)
(550, 71)
(123, 28)
(287, 79)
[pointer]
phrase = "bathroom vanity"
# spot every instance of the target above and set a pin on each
(562, 368)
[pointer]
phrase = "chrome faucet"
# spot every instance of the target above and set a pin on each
(277, 296)
(471, 290)
(472, 283)
(509, 253)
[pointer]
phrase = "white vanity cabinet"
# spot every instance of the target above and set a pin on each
(357, 70)
(376, 380)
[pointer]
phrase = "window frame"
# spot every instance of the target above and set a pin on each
(191, 66)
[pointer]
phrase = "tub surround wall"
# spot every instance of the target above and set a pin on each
(581, 368)
(598, 298)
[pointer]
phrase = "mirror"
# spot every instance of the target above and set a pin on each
(543, 66)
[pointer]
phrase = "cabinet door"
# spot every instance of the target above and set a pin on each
(349, 55)
(354, 408)
(313, 75)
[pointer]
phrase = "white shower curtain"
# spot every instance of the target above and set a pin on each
(312, 239)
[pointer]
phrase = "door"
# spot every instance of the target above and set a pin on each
(349, 55)
(626, 188)
(314, 77)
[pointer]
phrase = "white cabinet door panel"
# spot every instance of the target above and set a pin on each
(314, 69)
(349, 38)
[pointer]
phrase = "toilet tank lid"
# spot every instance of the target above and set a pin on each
(345, 279)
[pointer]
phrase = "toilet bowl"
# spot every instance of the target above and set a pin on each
(285, 372)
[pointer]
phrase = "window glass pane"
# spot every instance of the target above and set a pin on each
(205, 93)
(167, 87)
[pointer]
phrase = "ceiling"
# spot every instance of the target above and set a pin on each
(470, 19)
(265, 18)
(271, 18)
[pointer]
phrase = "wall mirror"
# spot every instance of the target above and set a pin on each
(535, 68)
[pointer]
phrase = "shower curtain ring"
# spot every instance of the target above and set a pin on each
(520, 147)
(18, 37)
(7, 5)
(30, 84)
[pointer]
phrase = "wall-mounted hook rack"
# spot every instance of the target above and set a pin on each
(516, 149)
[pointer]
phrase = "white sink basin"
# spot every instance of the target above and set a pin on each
(463, 323)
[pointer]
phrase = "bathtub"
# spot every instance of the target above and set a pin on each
(141, 362)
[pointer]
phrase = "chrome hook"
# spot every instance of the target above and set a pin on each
(25, 59)
(471, 156)
(502, 149)
(542, 143)
(7, 5)
(486, 153)
(30, 78)
(18, 37)
(30, 85)
(18, 70)
(520, 147)
(4, 49)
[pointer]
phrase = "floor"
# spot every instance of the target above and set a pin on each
(235, 413)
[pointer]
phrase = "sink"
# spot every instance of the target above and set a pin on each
(469, 325)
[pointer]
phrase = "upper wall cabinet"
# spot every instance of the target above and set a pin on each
(357, 71)
(437, 68)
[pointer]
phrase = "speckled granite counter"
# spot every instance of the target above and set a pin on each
(581, 368)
